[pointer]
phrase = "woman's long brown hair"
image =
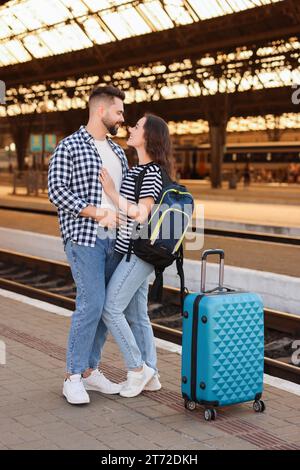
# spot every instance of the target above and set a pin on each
(158, 141)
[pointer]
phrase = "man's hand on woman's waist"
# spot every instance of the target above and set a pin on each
(107, 217)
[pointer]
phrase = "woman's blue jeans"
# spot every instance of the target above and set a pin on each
(125, 312)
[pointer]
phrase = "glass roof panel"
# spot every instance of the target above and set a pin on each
(117, 25)
(178, 12)
(50, 12)
(12, 22)
(26, 13)
(17, 50)
(74, 36)
(5, 57)
(96, 5)
(125, 23)
(54, 41)
(93, 5)
(212, 8)
(36, 46)
(157, 15)
(66, 38)
(77, 7)
(95, 31)
(5, 31)
(134, 20)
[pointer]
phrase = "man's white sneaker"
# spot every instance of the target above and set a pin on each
(99, 383)
(153, 385)
(136, 382)
(74, 390)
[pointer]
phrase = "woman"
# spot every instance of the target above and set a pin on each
(125, 311)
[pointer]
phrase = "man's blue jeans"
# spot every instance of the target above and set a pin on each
(91, 269)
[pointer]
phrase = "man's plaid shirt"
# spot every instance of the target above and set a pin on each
(73, 184)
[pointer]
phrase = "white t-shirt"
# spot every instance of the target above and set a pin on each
(112, 163)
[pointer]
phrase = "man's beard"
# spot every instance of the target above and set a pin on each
(112, 128)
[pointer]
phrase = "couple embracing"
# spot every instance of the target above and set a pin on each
(94, 191)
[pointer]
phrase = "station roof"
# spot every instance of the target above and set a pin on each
(154, 50)
(35, 29)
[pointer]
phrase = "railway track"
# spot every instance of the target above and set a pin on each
(52, 282)
(240, 234)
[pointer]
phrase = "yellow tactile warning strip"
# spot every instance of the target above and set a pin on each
(237, 427)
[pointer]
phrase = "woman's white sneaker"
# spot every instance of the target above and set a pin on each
(74, 391)
(136, 382)
(153, 385)
(99, 383)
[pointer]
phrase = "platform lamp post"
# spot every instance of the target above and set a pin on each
(43, 109)
(269, 158)
(12, 148)
(234, 159)
(9, 149)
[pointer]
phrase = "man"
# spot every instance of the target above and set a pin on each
(87, 221)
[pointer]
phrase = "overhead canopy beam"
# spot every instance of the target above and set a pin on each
(245, 28)
(216, 109)
(249, 103)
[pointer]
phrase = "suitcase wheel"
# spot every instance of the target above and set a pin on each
(259, 406)
(210, 414)
(189, 405)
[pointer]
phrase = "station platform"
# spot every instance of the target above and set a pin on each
(239, 252)
(268, 209)
(249, 254)
(35, 415)
(271, 269)
(267, 193)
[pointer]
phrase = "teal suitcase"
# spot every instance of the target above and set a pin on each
(222, 346)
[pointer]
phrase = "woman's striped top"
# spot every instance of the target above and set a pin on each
(151, 187)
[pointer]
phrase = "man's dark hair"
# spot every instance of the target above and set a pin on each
(107, 92)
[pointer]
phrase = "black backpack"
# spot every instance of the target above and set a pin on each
(171, 216)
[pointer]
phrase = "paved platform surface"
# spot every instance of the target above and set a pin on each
(261, 256)
(34, 415)
(271, 193)
(280, 259)
(264, 207)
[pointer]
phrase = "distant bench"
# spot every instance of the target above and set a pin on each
(33, 181)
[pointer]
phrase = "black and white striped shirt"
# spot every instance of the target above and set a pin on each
(151, 187)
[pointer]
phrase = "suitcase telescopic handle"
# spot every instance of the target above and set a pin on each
(203, 267)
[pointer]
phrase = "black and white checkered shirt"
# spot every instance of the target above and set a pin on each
(73, 184)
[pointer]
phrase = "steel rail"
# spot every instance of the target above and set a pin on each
(280, 321)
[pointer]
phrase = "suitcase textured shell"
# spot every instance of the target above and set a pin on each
(223, 342)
